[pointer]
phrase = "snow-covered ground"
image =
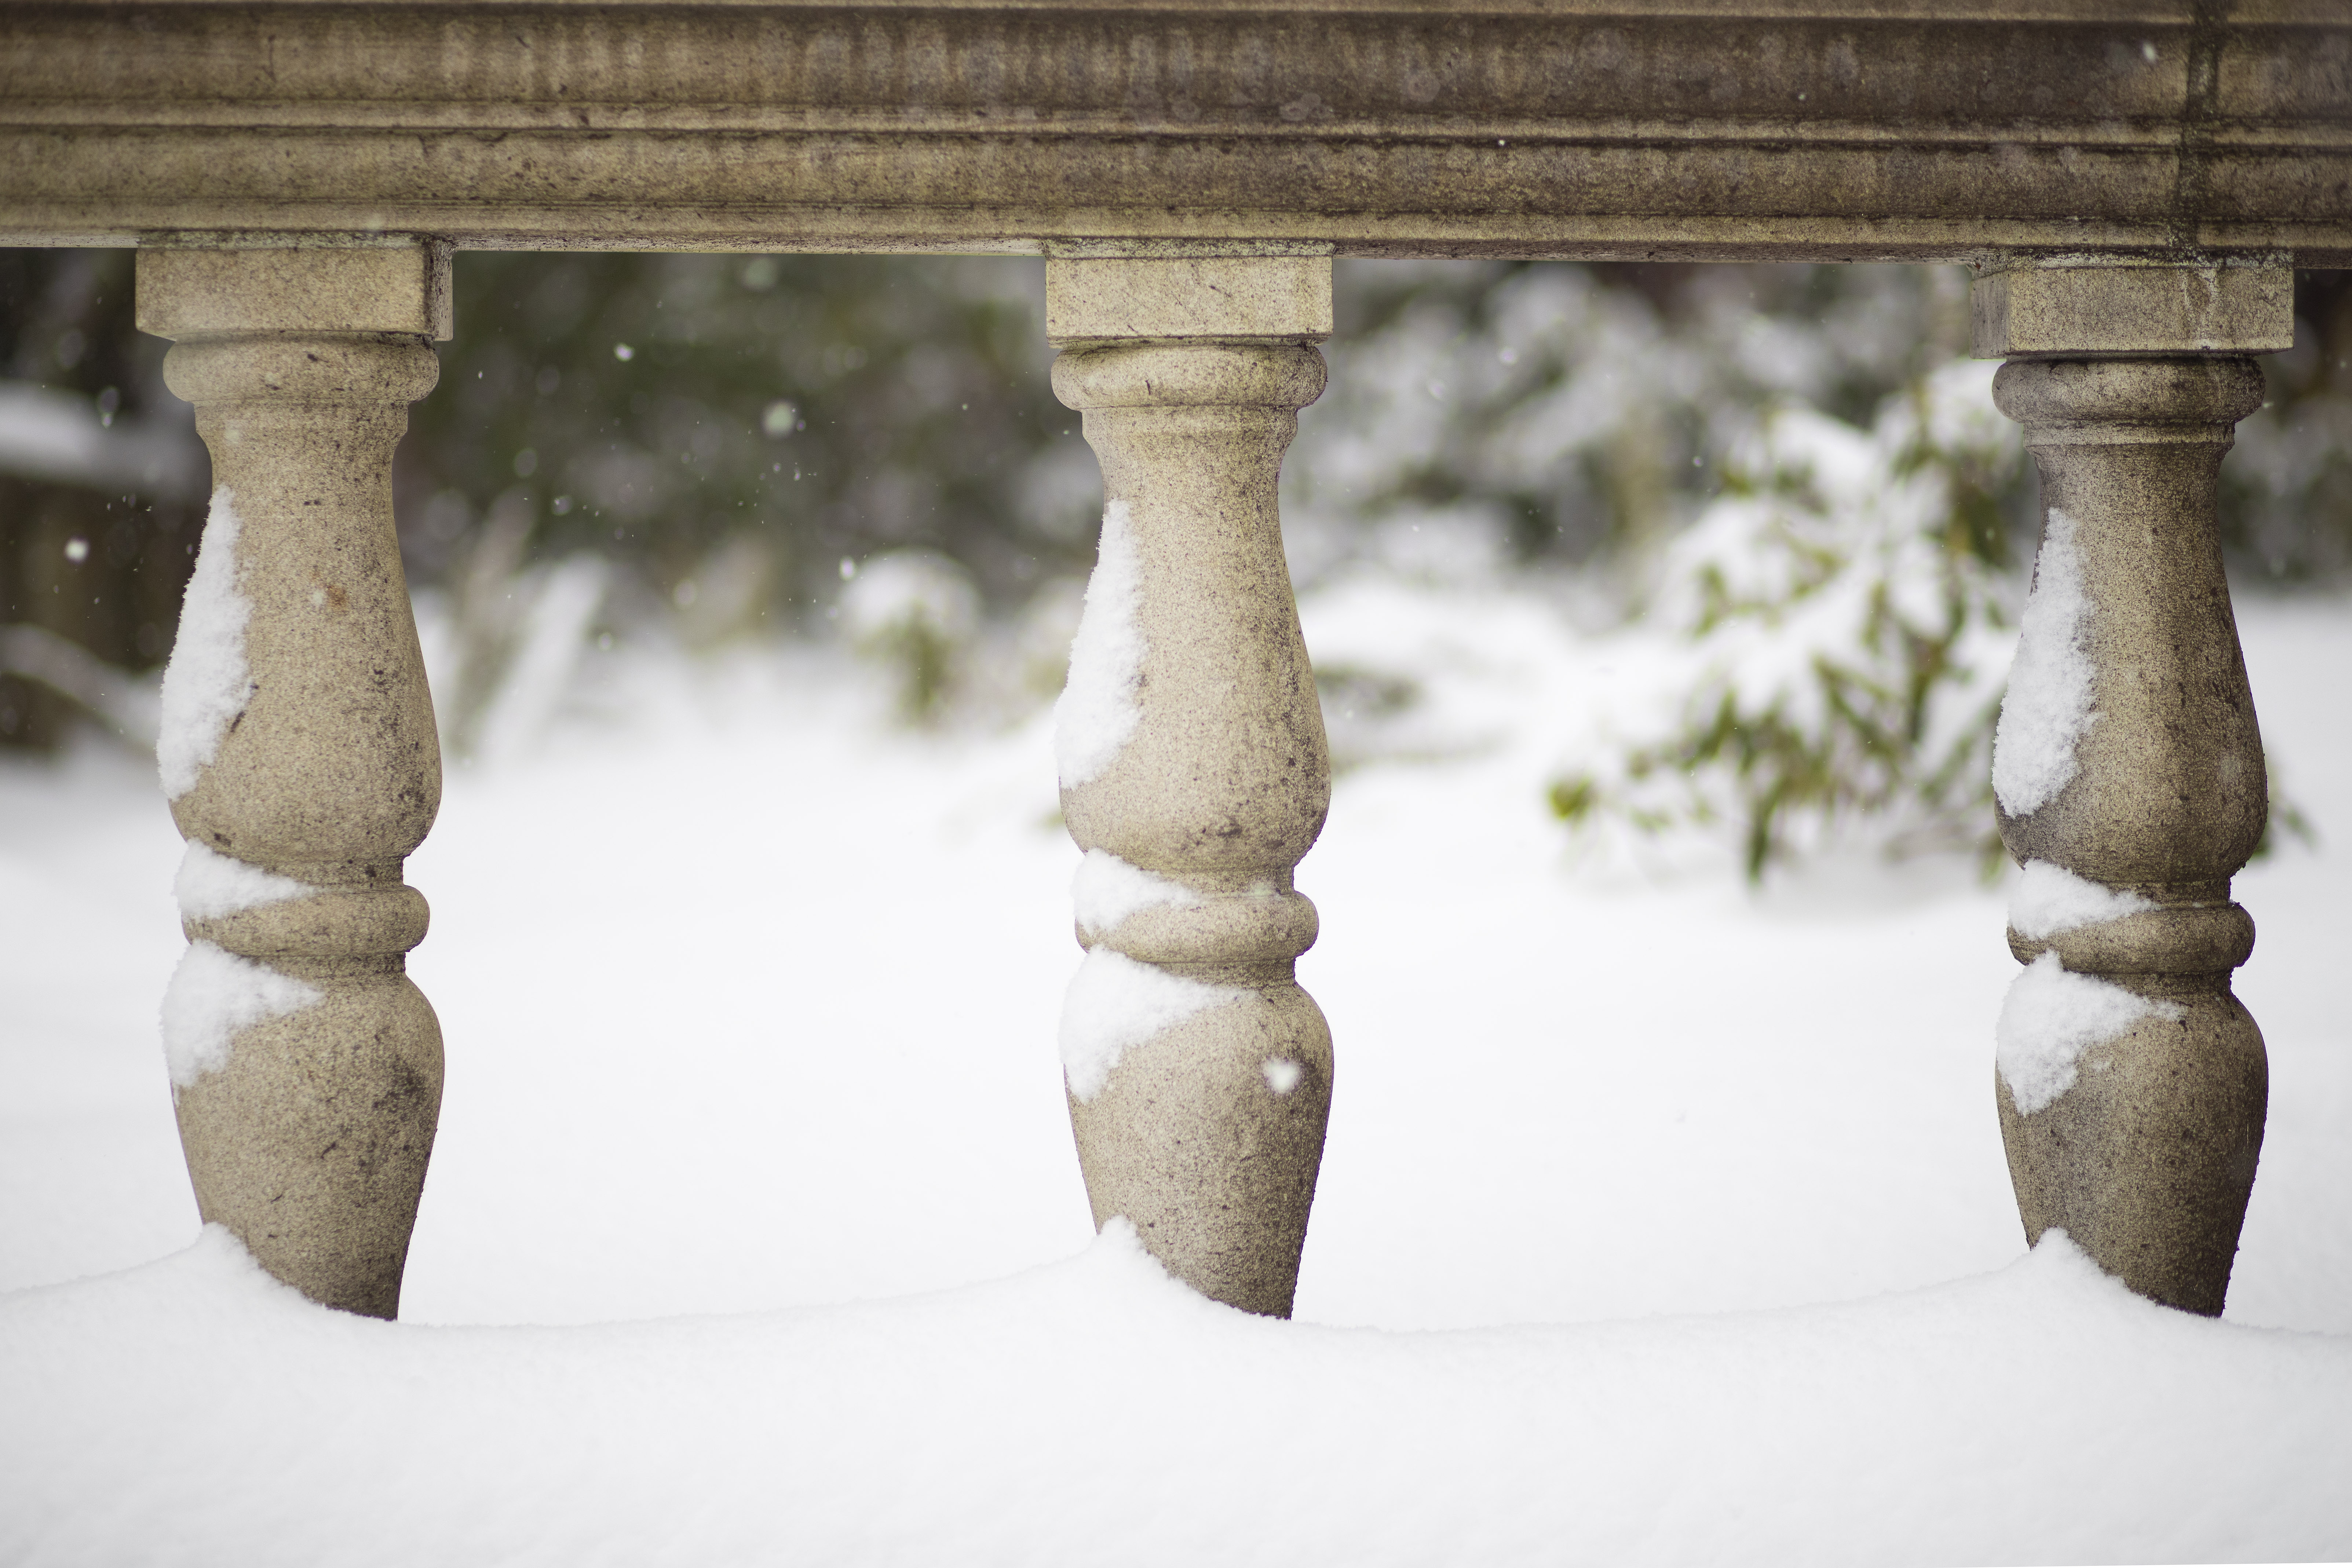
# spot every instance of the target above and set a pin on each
(751, 1003)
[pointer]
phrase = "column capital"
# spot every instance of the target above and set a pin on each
(2115, 402)
(1159, 373)
(391, 286)
(2077, 307)
(303, 371)
(1111, 300)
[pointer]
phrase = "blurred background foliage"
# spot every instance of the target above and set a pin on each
(699, 450)
(776, 413)
(101, 488)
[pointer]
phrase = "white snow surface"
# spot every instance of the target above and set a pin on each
(2048, 899)
(1106, 890)
(1100, 707)
(1763, 1317)
(563, 602)
(1092, 1412)
(2047, 709)
(215, 994)
(1116, 1004)
(2051, 1017)
(207, 682)
(211, 884)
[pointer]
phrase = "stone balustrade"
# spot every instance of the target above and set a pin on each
(1193, 768)
(2134, 187)
(300, 758)
(2128, 767)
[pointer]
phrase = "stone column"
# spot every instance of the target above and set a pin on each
(300, 759)
(1193, 767)
(2128, 768)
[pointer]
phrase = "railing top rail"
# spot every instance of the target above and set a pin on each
(1889, 130)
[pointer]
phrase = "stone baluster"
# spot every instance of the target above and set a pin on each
(300, 758)
(1193, 767)
(2128, 768)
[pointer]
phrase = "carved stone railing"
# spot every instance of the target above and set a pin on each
(2133, 183)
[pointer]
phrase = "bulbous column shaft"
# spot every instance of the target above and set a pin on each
(301, 759)
(1194, 770)
(2128, 771)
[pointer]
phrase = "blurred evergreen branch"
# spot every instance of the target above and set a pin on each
(1840, 634)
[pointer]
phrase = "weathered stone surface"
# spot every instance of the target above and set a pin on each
(1823, 129)
(1286, 299)
(2148, 1160)
(385, 917)
(2171, 787)
(1215, 1170)
(1209, 1135)
(2206, 936)
(311, 1141)
(2066, 312)
(391, 286)
(311, 1144)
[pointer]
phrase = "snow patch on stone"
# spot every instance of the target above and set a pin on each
(2049, 899)
(1107, 890)
(2051, 1017)
(1098, 708)
(207, 682)
(213, 997)
(2047, 709)
(211, 885)
(1115, 1003)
